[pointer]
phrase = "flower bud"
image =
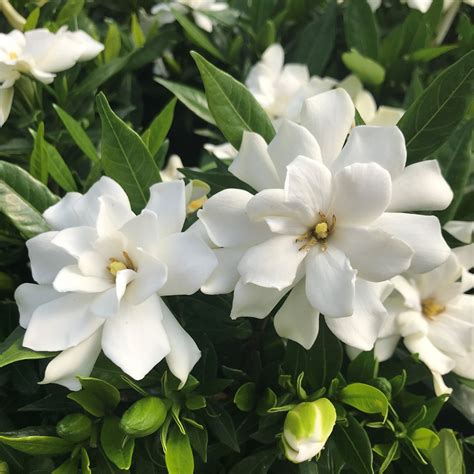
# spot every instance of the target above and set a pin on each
(74, 428)
(144, 417)
(307, 428)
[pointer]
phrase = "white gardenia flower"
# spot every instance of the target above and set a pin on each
(329, 224)
(101, 274)
(41, 54)
(367, 107)
(424, 5)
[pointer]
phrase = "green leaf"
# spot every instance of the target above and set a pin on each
(96, 397)
(155, 134)
(137, 33)
(125, 157)
(32, 19)
(197, 36)
(196, 402)
(35, 445)
(112, 43)
(11, 349)
(360, 28)
(144, 417)
(234, 108)
(85, 462)
(58, 169)
(116, 446)
(391, 455)
(257, 463)
(67, 467)
(199, 440)
(424, 439)
(220, 423)
(363, 368)
(446, 457)
(366, 69)
(427, 54)
(78, 134)
(365, 398)
(39, 158)
(434, 115)
(71, 9)
(314, 45)
(354, 446)
(246, 396)
(193, 99)
(179, 456)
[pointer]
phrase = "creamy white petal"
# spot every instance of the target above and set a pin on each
(420, 187)
(330, 282)
(62, 214)
(422, 234)
(6, 100)
(76, 240)
(382, 145)
(461, 230)
(329, 116)
(409, 291)
(292, 140)
(465, 255)
(106, 304)
(274, 57)
(387, 115)
(440, 387)
(254, 301)
(70, 278)
(135, 339)
(29, 296)
(184, 353)
(143, 231)
(203, 21)
(362, 192)
(385, 347)
(190, 263)
(112, 215)
(61, 323)
(273, 263)
(463, 365)
(226, 221)
(168, 202)
(375, 254)
(253, 164)
(412, 323)
(78, 360)
(297, 320)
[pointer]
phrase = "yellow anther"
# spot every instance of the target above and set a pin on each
(115, 267)
(431, 308)
(12, 55)
(193, 206)
(321, 230)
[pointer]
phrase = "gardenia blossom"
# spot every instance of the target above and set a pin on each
(424, 5)
(41, 54)
(101, 273)
(329, 223)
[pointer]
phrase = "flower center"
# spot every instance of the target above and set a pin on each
(116, 265)
(431, 308)
(318, 234)
(12, 55)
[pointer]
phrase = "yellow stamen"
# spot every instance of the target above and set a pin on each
(431, 308)
(115, 267)
(318, 234)
(12, 55)
(321, 230)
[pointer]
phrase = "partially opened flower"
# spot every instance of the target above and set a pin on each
(41, 54)
(328, 225)
(101, 273)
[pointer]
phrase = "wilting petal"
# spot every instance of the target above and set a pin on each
(329, 118)
(253, 164)
(330, 282)
(297, 320)
(273, 263)
(361, 193)
(376, 255)
(421, 187)
(226, 221)
(184, 353)
(190, 263)
(254, 301)
(382, 145)
(422, 234)
(135, 339)
(29, 297)
(77, 360)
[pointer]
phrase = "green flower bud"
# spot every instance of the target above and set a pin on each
(74, 428)
(307, 428)
(144, 417)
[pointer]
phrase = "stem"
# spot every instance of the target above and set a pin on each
(12, 16)
(447, 22)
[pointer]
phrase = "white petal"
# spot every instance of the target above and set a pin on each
(409, 291)
(90, 48)
(29, 296)
(385, 347)
(290, 141)
(464, 366)
(168, 202)
(274, 57)
(135, 339)
(198, 229)
(76, 240)
(46, 258)
(112, 215)
(70, 278)
(422, 234)
(273, 263)
(62, 215)
(61, 323)
(308, 185)
(190, 263)
(329, 116)
(224, 278)
(143, 231)
(386, 115)
(254, 301)
(184, 353)
(253, 164)
(440, 387)
(362, 192)
(421, 187)
(6, 100)
(297, 320)
(225, 218)
(375, 254)
(362, 328)
(412, 323)
(465, 255)
(330, 282)
(203, 21)
(106, 304)
(78, 360)
(366, 106)
(382, 145)
(461, 230)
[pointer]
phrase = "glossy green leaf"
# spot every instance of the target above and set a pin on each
(391, 455)
(116, 446)
(363, 368)
(424, 439)
(32, 19)
(85, 462)
(366, 69)
(446, 457)
(199, 440)
(257, 463)
(245, 397)
(112, 43)
(71, 9)
(58, 169)
(125, 157)
(35, 445)
(155, 134)
(365, 398)
(179, 455)
(233, 107)
(220, 423)
(39, 158)
(138, 36)
(360, 28)
(428, 54)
